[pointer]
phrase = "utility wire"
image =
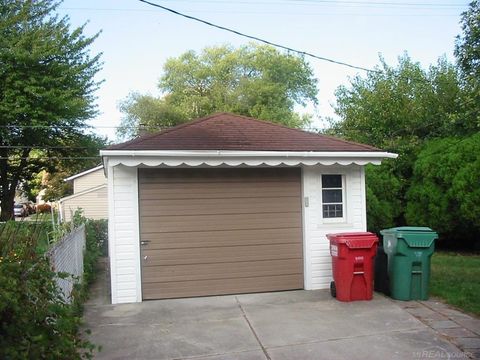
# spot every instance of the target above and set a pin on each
(269, 12)
(41, 147)
(300, 52)
(333, 2)
(87, 127)
(52, 158)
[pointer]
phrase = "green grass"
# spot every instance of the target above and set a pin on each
(38, 232)
(455, 278)
(41, 217)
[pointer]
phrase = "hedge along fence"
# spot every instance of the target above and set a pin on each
(66, 258)
(36, 320)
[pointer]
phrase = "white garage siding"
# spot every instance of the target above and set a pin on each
(317, 260)
(124, 241)
(123, 234)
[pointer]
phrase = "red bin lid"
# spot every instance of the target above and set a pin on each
(354, 240)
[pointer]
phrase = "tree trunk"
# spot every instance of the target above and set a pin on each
(8, 184)
(8, 198)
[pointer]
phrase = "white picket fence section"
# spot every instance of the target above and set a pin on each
(66, 255)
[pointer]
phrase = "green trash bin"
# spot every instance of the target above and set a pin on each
(409, 250)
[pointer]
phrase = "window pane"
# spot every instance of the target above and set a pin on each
(331, 181)
(338, 210)
(333, 211)
(332, 196)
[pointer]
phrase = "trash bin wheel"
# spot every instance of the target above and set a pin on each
(333, 289)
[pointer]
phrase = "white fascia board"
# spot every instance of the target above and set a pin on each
(233, 153)
(83, 173)
(236, 158)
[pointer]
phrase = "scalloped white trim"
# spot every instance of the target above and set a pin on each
(170, 163)
(239, 158)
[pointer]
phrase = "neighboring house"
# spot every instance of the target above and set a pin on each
(228, 204)
(89, 194)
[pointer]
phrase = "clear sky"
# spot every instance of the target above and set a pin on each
(136, 39)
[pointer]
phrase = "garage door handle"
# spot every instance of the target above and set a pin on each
(145, 242)
(145, 257)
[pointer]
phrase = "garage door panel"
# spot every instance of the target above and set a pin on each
(219, 222)
(211, 206)
(220, 254)
(222, 238)
(201, 176)
(220, 231)
(165, 273)
(181, 289)
(195, 186)
(218, 193)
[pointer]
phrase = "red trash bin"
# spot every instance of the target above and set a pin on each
(352, 265)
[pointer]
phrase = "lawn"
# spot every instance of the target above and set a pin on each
(455, 279)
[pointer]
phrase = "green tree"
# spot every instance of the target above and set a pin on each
(467, 52)
(145, 113)
(253, 80)
(383, 197)
(444, 193)
(87, 146)
(46, 91)
(467, 46)
(392, 104)
(397, 109)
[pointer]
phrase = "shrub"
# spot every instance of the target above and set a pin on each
(445, 193)
(96, 242)
(383, 197)
(35, 321)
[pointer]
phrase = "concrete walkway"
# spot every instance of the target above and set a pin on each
(284, 325)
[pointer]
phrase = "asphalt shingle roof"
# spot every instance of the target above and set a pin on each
(225, 131)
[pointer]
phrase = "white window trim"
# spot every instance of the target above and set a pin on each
(334, 220)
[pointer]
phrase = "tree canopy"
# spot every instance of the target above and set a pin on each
(467, 46)
(467, 52)
(397, 109)
(431, 118)
(253, 80)
(46, 92)
(396, 103)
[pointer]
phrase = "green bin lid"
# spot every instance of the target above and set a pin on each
(414, 236)
(415, 229)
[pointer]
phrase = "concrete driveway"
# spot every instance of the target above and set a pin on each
(284, 325)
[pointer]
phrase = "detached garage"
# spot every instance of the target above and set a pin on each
(228, 204)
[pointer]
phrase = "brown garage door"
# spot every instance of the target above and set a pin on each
(219, 231)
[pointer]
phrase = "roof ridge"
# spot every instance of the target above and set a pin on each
(269, 122)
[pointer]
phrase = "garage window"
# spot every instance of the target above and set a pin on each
(332, 196)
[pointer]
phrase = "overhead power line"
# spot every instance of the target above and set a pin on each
(300, 52)
(53, 158)
(87, 127)
(278, 12)
(334, 2)
(42, 147)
